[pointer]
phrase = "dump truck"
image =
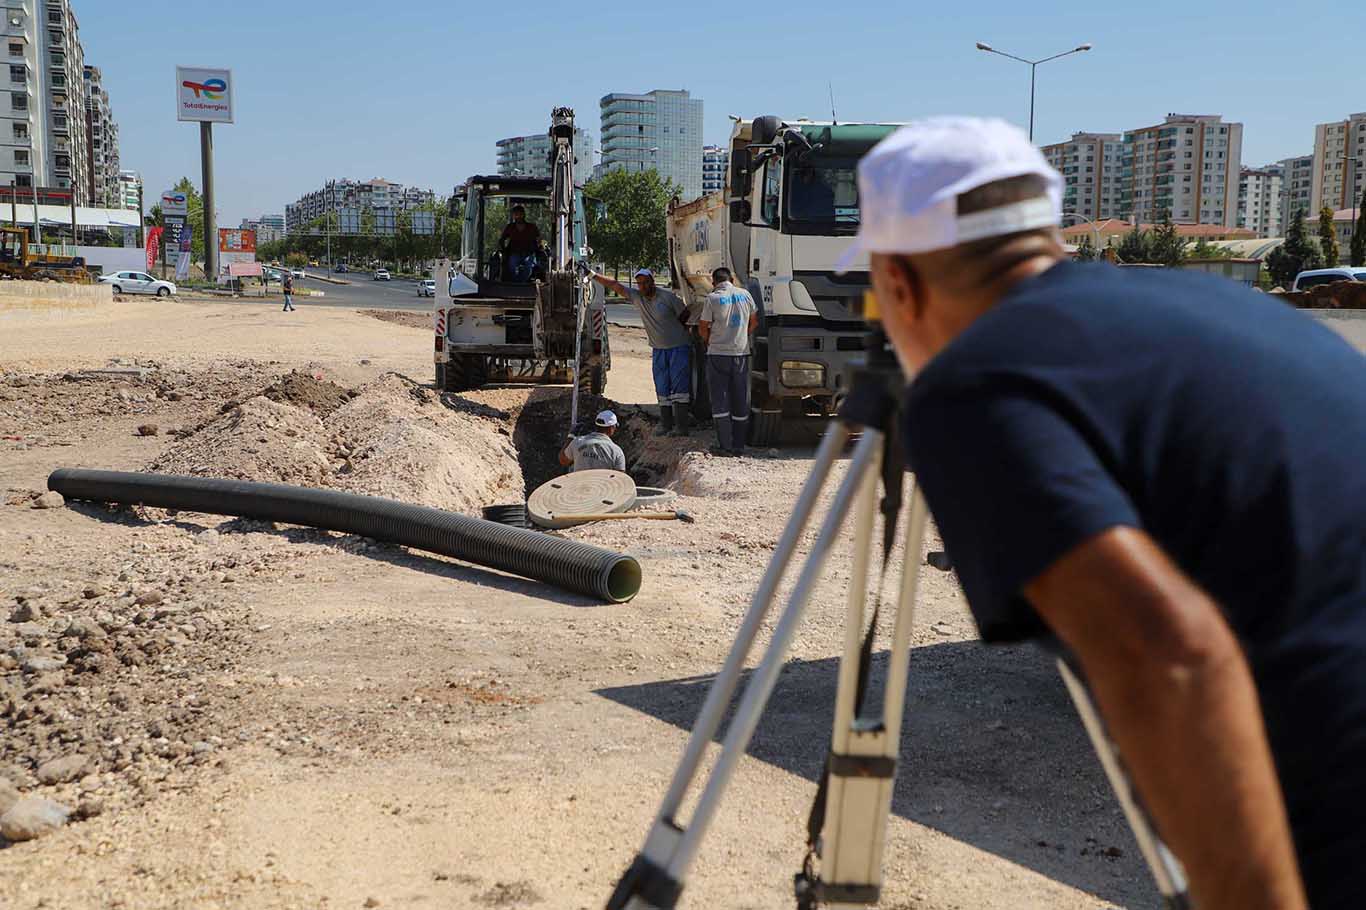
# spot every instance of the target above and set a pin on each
(789, 209)
(500, 319)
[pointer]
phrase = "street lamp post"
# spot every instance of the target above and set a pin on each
(1349, 184)
(1033, 65)
(1095, 229)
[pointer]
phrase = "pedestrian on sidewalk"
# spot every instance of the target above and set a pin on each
(665, 317)
(287, 288)
(726, 324)
(1158, 472)
(596, 450)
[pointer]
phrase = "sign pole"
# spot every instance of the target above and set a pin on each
(210, 223)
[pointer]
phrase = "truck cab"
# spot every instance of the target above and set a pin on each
(789, 210)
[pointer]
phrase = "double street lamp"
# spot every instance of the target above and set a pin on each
(1033, 65)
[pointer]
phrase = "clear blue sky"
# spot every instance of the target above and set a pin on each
(418, 91)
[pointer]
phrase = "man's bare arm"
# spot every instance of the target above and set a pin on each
(614, 286)
(704, 331)
(1178, 698)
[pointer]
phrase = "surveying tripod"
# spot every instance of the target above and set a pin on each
(848, 825)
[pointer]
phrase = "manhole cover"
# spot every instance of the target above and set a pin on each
(556, 503)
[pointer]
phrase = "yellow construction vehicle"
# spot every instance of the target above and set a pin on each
(34, 262)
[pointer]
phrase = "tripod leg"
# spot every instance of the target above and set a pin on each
(864, 750)
(1166, 868)
(765, 677)
(653, 865)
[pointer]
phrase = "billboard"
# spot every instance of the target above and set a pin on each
(174, 202)
(182, 267)
(236, 240)
(204, 94)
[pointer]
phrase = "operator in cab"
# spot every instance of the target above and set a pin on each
(1163, 474)
(596, 450)
(520, 242)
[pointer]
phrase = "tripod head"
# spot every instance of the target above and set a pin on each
(878, 380)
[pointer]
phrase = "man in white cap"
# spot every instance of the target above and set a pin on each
(1162, 471)
(665, 317)
(596, 450)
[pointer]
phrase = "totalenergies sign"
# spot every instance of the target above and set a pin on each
(203, 94)
(174, 202)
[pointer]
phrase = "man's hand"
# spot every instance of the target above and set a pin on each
(1179, 701)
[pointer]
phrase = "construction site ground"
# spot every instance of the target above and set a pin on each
(259, 716)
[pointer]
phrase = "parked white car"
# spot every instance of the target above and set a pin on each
(381, 275)
(426, 288)
(1327, 276)
(138, 283)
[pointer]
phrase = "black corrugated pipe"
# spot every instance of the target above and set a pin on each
(566, 564)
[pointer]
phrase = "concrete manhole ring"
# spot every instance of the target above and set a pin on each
(556, 502)
(653, 496)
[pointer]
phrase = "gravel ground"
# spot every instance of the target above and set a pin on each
(241, 715)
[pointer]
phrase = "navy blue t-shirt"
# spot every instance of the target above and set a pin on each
(1226, 425)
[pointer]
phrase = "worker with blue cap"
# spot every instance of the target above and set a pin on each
(1162, 472)
(665, 317)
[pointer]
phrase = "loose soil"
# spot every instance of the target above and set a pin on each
(270, 716)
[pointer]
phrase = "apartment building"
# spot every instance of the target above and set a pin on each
(1091, 167)
(1297, 188)
(1339, 163)
(378, 195)
(268, 228)
(1259, 200)
(129, 191)
(102, 143)
(1188, 166)
(529, 156)
(715, 160)
(660, 130)
(56, 133)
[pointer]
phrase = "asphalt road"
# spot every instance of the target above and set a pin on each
(401, 294)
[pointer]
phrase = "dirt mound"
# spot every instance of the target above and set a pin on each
(401, 317)
(390, 438)
(308, 391)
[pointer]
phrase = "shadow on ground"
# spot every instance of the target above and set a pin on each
(992, 755)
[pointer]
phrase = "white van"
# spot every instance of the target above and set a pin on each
(1305, 280)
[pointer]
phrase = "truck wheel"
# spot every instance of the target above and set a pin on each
(466, 372)
(440, 377)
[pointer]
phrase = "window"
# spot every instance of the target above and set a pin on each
(20, 130)
(21, 156)
(773, 183)
(54, 37)
(18, 74)
(15, 49)
(19, 102)
(23, 180)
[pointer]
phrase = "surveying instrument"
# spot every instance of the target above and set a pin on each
(847, 828)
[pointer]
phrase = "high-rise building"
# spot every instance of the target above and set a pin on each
(661, 130)
(530, 156)
(715, 160)
(129, 191)
(102, 142)
(378, 195)
(47, 118)
(1339, 163)
(1187, 166)
(1297, 188)
(1259, 199)
(268, 228)
(1090, 164)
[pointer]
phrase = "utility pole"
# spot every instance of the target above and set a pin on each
(210, 222)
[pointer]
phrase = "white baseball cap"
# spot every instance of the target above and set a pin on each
(910, 182)
(646, 273)
(606, 419)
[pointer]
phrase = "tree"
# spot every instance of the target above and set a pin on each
(1328, 238)
(1168, 246)
(625, 216)
(296, 259)
(1135, 247)
(1358, 248)
(1086, 250)
(1299, 253)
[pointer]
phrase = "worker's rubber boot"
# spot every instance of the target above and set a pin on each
(682, 419)
(724, 431)
(666, 420)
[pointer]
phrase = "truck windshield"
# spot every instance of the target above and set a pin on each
(822, 195)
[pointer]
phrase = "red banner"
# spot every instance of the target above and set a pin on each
(153, 246)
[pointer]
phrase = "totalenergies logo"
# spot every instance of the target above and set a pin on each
(212, 89)
(174, 198)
